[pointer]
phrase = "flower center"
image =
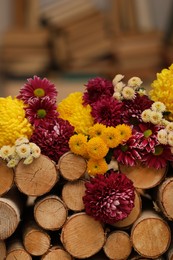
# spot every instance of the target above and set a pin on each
(147, 133)
(158, 150)
(41, 113)
(124, 148)
(39, 92)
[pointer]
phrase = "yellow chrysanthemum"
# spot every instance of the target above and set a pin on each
(96, 130)
(79, 116)
(125, 132)
(97, 148)
(96, 166)
(162, 89)
(111, 137)
(78, 144)
(13, 123)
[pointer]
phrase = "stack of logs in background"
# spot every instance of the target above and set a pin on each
(42, 214)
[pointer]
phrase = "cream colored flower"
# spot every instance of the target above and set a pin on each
(164, 122)
(155, 117)
(12, 163)
(117, 79)
(170, 138)
(28, 160)
(119, 86)
(146, 115)
(142, 91)
(162, 136)
(117, 95)
(128, 93)
(169, 126)
(158, 106)
(35, 150)
(134, 82)
(6, 151)
(22, 140)
(23, 150)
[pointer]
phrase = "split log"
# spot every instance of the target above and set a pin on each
(50, 212)
(37, 178)
(164, 197)
(150, 235)
(2, 250)
(36, 241)
(71, 166)
(82, 236)
(134, 214)
(16, 251)
(118, 245)
(6, 177)
(57, 252)
(143, 177)
(72, 194)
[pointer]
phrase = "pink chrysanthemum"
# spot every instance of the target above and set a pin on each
(109, 198)
(53, 138)
(159, 158)
(107, 111)
(40, 110)
(96, 88)
(37, 87)
(129, 153)
(133, 109)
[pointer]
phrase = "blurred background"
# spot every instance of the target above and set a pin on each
(71, 41)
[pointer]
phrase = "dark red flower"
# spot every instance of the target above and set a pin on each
(37, 87)
(109, 198)
(52, 137)
(96, 88)
(107, 111)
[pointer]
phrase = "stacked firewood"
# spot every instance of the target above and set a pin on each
(42, 214)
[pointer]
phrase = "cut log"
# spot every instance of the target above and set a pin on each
(82, 236)
(132, 217)
(150, 235)
(6, 177)
(143, 177)
(37, 178)
(16, 251)
(57, 252)
(2, 250)
(36, 240)
(118, 245)
(164, 198)
(72, 195)
(72, 166)
(169, 253)
(50, 212)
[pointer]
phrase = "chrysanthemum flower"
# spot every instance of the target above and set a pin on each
(111, 137)
(53, 138)
(170, 138)
(134, 82)
(162, 89)
(158, 106)
(96, 166)
(128, 93)
(145, 116)
(28, 160)
(6, 151)
(107, 111)
(41, 109)
(118, 78)
(169, 126)
(39, 88)
(23, 150)
(97, 88)
(97, 148)
(78, 144)
(96, 130)
(125, 132)
(109, 198)
(72, 110)
(13, 123)
(162, 136)
(13, 162)
(35, 150)
(22, 140)
(155, 117)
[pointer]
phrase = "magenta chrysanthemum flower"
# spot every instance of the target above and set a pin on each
(129, 153)
(107, 111)
(37, 87)
(53, 138)
(97, 88)
(40, 110)
(133, 109)
(109, 198)
(159, 158)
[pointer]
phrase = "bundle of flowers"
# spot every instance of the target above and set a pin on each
(112, 122)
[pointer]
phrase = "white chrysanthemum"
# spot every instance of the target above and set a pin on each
(158, 106)
(23, 150)
(134, 82)
(146, 115)
(170, 138)
(162, 136)
(128, 93)
(6, 151)
(21, 140)
(12, 163)
(117, 79)
(142, 91)
(169, 126)
(28, 160)
(155, 117)
(119, 86)
(164, 122)
(35, 150)
(117, 95)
